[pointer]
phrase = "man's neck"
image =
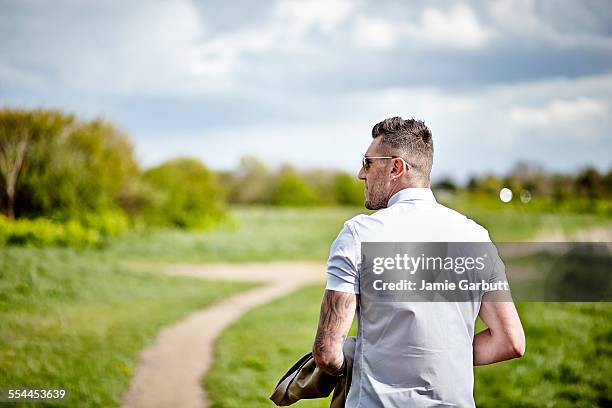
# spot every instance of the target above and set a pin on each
(403, 186)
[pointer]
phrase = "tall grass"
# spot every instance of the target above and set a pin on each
(76, 321)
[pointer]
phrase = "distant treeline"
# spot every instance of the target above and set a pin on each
(64, 179)
(587, 190)
(254, 183)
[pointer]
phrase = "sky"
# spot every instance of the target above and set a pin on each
(304, 81)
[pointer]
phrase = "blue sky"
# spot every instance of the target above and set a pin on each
(305, 81)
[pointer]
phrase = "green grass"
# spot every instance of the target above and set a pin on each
(568, 361)
(516, 226)
(77, 320)
(267, 233)
(518, 222)
(257, 234)
(253, 354)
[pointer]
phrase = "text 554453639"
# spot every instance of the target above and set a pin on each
(32, 394)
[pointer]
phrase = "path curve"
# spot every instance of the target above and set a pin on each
(171, 369)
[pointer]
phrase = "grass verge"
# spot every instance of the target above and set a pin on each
(72, 320)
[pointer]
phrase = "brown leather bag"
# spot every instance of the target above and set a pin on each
(305, 380)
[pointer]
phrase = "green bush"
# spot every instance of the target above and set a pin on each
(187, 195)
(42, 232)
(76, 235)
(292, 191)
(108, 223)
(91, 230)
(349, 190)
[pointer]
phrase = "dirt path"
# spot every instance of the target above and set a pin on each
(171, 369)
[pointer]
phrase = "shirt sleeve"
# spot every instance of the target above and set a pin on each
(498, 272)
(343, 262)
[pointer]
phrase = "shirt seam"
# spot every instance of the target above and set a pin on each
(351, 228)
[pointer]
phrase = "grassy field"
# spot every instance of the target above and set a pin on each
(77, 320)
(518, 222)
(264, 234)
(255, 234)
(568, 361)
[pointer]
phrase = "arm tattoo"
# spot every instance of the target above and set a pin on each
(337, 311)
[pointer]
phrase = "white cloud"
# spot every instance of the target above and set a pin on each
(561, 112)
(303, 15)
(285, 31)
(165, 48)
(565, 109)
(148, 47)
(221, 54)
(456, 28)
(159, 51)
(158, 47)
(375, 33)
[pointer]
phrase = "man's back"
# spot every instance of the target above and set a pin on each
(408, 353)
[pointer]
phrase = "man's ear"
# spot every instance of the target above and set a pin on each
(398, 168)
(393, 172)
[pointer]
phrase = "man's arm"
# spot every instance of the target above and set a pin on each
(504, 338)
(337, 312)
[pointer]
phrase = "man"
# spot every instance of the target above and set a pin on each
(408, 354)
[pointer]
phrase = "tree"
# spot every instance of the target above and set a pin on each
(489, 183)
(589, 183)
(291, 190)
(85, 171)
(606, 183)
(23, 135)
(188, 195)
(561, 187)
(53, 164)
(13, 151)
(349, 190)
(447, 183)
(252, 183)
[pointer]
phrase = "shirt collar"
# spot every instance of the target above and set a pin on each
(409, 194)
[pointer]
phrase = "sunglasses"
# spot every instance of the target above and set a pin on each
(366, 161)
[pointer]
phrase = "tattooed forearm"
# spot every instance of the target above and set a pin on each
(337, 311)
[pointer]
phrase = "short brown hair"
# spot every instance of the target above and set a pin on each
(410, 139)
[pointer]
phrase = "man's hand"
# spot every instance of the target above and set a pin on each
(337, 312)
(504, 339)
